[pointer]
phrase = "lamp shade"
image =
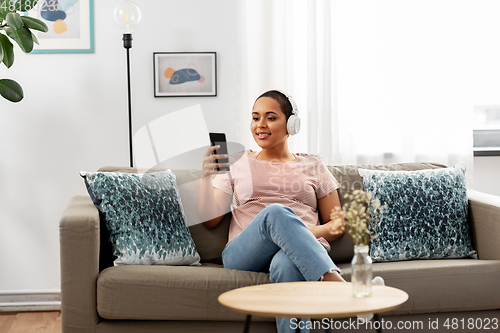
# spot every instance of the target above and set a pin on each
(127, 16)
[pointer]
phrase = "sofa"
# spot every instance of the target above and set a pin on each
(444, 294)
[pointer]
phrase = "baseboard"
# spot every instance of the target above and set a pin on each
(18, 301)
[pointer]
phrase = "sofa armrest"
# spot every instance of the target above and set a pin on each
(484, 218)
(79, 239)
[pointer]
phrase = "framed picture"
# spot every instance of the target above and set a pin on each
(185, 74)
(71, 26)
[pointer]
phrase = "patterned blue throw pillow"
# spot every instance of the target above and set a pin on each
(144, 215)
(426, 215)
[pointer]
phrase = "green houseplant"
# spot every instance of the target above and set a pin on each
(16, 27)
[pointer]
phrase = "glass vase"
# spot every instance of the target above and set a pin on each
(361, 276)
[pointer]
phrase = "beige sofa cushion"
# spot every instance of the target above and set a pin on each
(443, 285)
(190, 293)
(170, 292)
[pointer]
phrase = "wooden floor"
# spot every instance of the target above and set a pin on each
(30, 322)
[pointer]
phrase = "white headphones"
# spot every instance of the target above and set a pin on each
(293, 123)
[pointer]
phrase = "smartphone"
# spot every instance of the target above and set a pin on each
(219, 139)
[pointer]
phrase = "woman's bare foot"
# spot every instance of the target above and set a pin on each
(333, 276)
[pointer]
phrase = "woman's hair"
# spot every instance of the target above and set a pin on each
(282, 100)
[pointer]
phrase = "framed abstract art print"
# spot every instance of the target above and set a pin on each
(70, 23)
(185, 74)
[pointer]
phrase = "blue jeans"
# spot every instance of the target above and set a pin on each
(278, 242)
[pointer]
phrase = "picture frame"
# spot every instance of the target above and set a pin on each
(71, 29)
(185, 74)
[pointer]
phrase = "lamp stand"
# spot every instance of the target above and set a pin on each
(127, 44)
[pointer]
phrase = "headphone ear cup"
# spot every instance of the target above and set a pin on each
(293, 124)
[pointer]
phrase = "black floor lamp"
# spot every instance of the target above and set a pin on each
(128, 16)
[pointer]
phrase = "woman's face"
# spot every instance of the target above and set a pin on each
(268, 123)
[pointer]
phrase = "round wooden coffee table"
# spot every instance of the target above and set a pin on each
(315, 300)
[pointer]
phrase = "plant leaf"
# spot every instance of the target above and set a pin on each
(1, 52)
(22, 37)
(14, 20)
(35, 40)
(33, 23)
(11, 90)
(8, 51)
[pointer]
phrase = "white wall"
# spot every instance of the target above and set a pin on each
(74, 117)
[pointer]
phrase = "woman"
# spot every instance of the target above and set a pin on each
(275, 197)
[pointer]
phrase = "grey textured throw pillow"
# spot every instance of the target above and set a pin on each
(145, 217)
(426, 214)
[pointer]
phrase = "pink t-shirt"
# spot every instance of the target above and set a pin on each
(297, 184)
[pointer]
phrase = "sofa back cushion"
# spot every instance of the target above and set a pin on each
(210, 243)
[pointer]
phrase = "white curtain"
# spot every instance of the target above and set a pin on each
(375, 81)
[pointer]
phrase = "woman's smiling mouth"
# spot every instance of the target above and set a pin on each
(263, 135)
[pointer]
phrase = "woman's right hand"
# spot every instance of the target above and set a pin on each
(213, 203)
(209, 166)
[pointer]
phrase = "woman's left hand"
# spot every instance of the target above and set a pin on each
(336, 227)
(332, 230)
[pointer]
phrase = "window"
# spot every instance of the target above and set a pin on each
(487, 130)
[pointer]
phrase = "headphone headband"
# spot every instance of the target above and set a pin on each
(295, 111)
